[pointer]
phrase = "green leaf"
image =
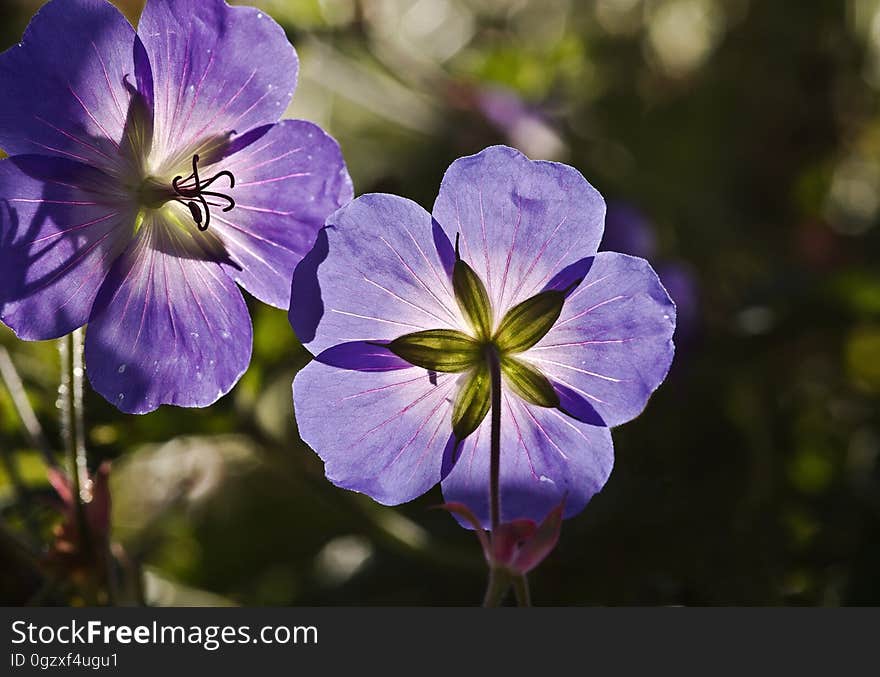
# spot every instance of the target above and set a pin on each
(528, 322)
(472, 402)
(437, 349)
(529, 383)
(472, 298)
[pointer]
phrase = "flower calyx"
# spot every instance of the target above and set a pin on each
(472, 354)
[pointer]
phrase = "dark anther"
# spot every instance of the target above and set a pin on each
(192, 191)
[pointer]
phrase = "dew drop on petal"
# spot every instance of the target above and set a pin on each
(122, 368)
(120, 396)
(194, 334)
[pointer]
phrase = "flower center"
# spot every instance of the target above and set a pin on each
(191, 191)
(490, 348)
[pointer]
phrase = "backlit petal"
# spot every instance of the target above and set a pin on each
(64, 85)
(545, 457)
(288, 180)
(216, 69)
(519, 221)
(59, 236)
(374, 274)
(612, 345)
(172, 327)
(379, 433)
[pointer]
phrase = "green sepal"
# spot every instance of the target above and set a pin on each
(444, 350)
(528, 322)
(529, 383)
(472, 298)
(472, 402)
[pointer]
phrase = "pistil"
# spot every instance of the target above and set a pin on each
(191, 191)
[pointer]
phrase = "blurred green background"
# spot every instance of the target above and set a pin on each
(747, 133)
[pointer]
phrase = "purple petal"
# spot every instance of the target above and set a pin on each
(58, 240)
(444, 247)
(287, 182)
(576, 405)
(172, 327)
(567, 279)
(143, 71)
(374, 274)
(612, 344)
(545, 456)
(217, 69)
(379, 433)
(64, 87)
(137, 143)
(519, 221)
(362, 356)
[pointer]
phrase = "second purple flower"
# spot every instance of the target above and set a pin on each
(411, 314)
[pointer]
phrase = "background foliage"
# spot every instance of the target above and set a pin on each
(748, 134)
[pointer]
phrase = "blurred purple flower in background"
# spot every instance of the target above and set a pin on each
(149, 174)
(630, 231)
(403, 324)
(680, 282)
(524, 125)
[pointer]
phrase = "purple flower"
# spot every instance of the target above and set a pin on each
(680, 282)
(628, 231)
(149, 175)
(524, 125)
(403, 310)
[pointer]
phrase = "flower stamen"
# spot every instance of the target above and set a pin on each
(193, 194)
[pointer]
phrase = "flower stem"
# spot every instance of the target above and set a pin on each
(499, 579)
(495, 440)
(70, 397)
(521, 590)
(499, 582)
